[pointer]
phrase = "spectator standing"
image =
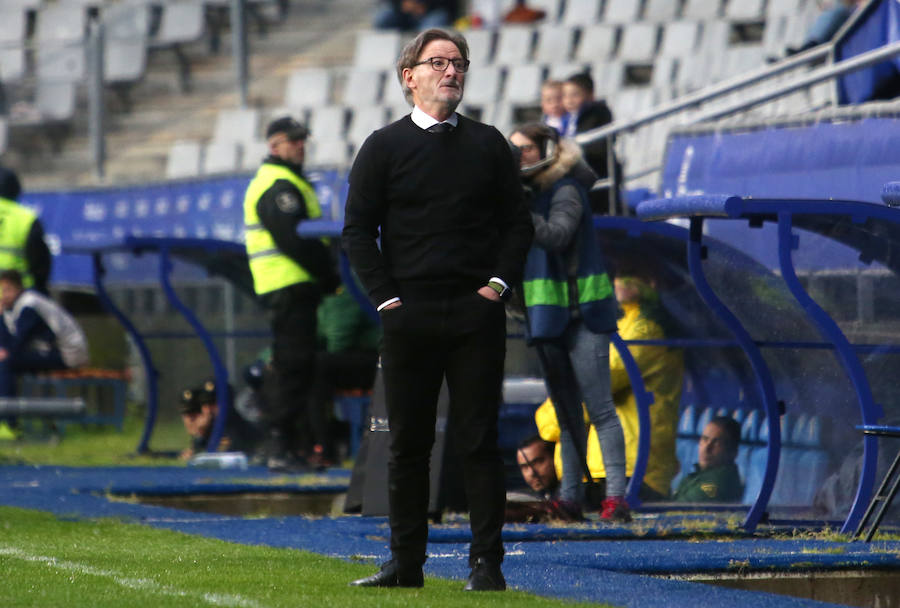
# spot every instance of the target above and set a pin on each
(37, 334)
(290, 274)
(584, 113)
(22, 245)
(715, 477)
(414, 14)
(571, 311)
(443, 194)
(346, 359)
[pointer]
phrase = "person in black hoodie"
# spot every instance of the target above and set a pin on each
(584, 113)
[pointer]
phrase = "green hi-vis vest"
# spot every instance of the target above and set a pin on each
(15, 223)
(547, 288)
(272, 269)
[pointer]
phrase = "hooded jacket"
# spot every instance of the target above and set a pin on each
(565, 276)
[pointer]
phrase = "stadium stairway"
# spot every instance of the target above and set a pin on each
(315, 32)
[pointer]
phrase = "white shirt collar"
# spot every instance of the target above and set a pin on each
(423, 120)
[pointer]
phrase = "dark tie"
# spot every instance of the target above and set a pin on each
(441, 127)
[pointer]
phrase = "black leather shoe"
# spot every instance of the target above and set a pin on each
(486, 576)
(390, 575)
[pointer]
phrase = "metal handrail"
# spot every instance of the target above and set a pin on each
(692, 99)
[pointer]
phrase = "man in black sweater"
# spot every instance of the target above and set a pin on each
(443, 193)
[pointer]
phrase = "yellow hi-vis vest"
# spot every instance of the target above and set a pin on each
(15, 224)
(272, 269)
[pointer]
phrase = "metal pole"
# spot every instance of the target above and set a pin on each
(239, 50)
(96, 110)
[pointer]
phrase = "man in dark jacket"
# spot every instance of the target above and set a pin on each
(715, 477)
(443, 193)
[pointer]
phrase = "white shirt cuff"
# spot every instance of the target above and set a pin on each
(386, 302)
(499, 280)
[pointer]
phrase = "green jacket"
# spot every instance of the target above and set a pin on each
(720, 484)
(343, 326)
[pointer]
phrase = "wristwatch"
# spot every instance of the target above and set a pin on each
(502, 290)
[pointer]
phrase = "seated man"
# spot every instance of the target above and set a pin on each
(715, 477)
(199, 410)
(37, 334)
(535, 459)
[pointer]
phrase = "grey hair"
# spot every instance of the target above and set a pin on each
(409, 56)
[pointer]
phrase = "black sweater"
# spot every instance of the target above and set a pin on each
(449, 206)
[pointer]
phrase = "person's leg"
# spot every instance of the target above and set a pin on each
(589, 353)
(293, 320)
(475, 382)
(412, 364)
(563, 389)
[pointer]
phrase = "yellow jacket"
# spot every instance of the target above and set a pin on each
(662, 369)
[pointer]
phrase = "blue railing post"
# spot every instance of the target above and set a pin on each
(219, 370)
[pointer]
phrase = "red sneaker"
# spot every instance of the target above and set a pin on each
(614, 508)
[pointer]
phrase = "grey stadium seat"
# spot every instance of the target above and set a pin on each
(59, 35)
(679, 39)
(481, 46)
(661, 11)
(308, 88)
(184, 159)
(597, 44)
(12, 44)
(125, 43)
(581, 12)
(327, 122)
(237, 125)
(376, 49)
(621, 11)
(55, 100)
(514, 45)
(220, 157)
(252, 154)
(701, 9)
(328, 152)
(180, 22)
(363, 87)
(482, 85)
(638, 42)
(365, 120)
(523, 85)
(554, 44)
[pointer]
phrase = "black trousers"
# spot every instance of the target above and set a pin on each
(292, 315)
(349, 369)
(459, 335)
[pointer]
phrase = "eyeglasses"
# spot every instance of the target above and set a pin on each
(440, 64)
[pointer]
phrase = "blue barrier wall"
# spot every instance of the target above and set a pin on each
(845, 157)
(197, 208)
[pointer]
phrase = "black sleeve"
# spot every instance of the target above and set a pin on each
(513, 218)
(37, 256)
(281, 209)
(363, 216)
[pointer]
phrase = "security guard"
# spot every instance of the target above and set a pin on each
(290, 274)
(22, 245)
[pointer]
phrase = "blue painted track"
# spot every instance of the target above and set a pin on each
(588, 562)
